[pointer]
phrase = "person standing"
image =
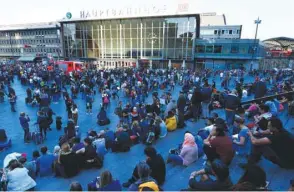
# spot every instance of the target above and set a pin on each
(206, 93)
(181, 103)
(12, 101)
(232, 102)
(75, 114)
(24, 122)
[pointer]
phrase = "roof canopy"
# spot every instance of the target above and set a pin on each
(283, 42)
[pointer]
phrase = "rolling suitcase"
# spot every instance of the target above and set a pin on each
(36, 136)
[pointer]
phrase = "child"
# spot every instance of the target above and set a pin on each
(58, 123)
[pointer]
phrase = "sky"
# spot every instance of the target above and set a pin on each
(276, 15)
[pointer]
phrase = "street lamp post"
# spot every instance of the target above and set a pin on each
(256, 22)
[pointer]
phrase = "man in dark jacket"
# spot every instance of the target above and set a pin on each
(232, 102)
(156, 164)
(259, 89)
(196, 103)
(24, 122)
(181, 104)
(43, 123)
(206, 93)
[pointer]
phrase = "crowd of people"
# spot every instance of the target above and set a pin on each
(248, 131)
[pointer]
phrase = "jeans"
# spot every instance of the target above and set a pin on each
(230, 118)
(26, 134)
(12, 105)
(205, 109)
(176, 159)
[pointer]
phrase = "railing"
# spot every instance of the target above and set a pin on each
(267, 98)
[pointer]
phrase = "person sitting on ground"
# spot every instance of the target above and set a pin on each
(162, 127)
(109, 138)
(122, 142)
(254, 179)
(188, 152)
(264, 112)
(88, 153)
(273, 146)
(105, 183)
(102, 118)
(156, 164)
(145, 182)
(30, 166)
(242, 144)
(99, 143)
(45, 162)
(17, 178)
(136, 132)
(218, 145)
(252, 110)
(171, 121)
(56, 152)
(70, 129)
(205, 183)
(68, 164)
(211, 122)
(272, 107)
(77, 144)
(170, 107)
(75, 186)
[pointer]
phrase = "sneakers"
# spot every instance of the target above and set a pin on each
(127, 184)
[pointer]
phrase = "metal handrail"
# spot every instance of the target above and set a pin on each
(267, 98)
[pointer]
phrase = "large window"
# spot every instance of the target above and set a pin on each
(162, 38)
(235, 49)
(200, 48)
(209, 49)
(217, 49)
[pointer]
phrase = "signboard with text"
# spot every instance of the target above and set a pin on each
(143, 11)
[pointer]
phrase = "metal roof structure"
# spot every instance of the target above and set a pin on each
(29, 26)
(282, 42)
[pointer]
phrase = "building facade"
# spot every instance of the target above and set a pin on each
(221, 32)
(143, 41)
(29, 42)
(219, 54)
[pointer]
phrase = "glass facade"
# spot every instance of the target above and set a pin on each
(136, 38)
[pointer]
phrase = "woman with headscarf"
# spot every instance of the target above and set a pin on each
(187, 154)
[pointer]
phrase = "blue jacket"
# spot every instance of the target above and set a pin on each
(24, 122)
(45, 163)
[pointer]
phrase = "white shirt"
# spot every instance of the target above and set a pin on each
(75, 111)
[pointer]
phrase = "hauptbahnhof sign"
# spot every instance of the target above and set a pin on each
(134, 12)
